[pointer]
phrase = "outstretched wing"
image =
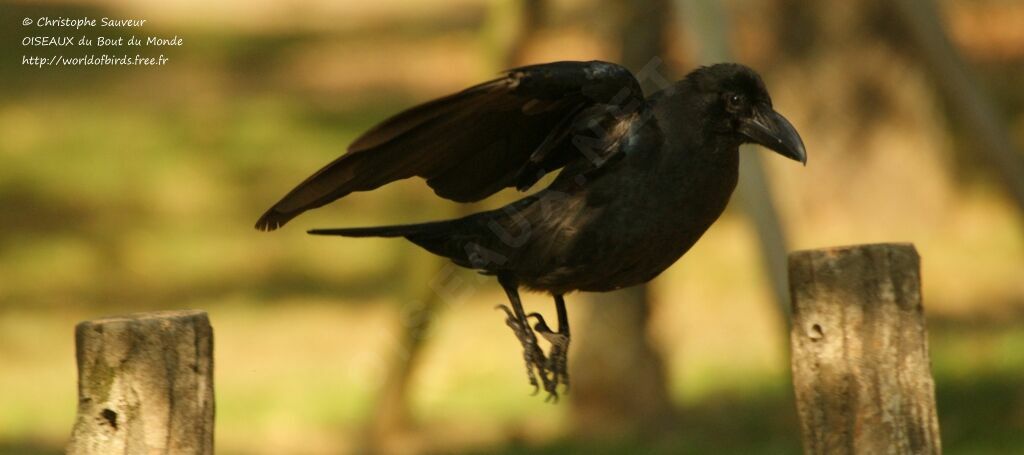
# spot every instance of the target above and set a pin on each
(506, 132)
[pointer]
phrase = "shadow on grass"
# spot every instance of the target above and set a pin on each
(719, 425)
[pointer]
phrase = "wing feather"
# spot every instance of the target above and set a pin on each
(501, 133)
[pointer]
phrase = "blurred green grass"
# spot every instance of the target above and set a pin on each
(135, 190)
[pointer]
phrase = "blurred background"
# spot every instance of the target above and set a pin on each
(129, 189)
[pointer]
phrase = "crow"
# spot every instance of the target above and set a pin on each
(641, 179)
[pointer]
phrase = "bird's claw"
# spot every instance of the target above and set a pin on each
(558, 355)
(532, 355)
(551, 370)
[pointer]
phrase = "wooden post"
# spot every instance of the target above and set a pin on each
(145, 384)
(860, 351)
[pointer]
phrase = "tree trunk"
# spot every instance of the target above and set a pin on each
(860, 351)
(619, 383)
(145, 384)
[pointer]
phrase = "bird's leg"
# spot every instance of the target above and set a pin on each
(558, 355)
(516, 320)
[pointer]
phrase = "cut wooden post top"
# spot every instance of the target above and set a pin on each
(147, 316)
(844, 250)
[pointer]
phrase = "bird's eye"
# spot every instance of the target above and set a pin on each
(735, 100)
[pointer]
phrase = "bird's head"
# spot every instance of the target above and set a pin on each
(737, 105)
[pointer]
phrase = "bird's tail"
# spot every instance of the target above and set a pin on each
(401, 230)
(438, 237)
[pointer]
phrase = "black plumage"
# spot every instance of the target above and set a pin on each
(642, 178)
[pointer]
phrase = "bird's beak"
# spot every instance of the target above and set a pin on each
(772, 130)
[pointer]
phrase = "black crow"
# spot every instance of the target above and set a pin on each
(641, 178)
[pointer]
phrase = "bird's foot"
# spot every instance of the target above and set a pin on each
(558, 355)
(536, 362)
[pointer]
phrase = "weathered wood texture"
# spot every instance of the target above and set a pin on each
(860, 351)
(145, 385)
